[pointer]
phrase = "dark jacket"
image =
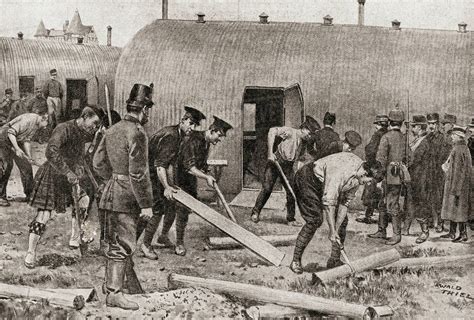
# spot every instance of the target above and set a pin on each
(124, 151)
(53, 88)
(391, 153)
(323, 143)
(37, 105)
(438, 153)
(419, 173)
(373, 145)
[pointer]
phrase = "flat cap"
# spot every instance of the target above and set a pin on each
(449, 118)
(194, 114)
(352, 138)
(53, 71)
(432, 117)
(460, 131)
(396, 115)
(329, 117)
(221, 125)
(312, 124)
(380, 118)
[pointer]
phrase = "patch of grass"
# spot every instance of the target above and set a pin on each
(48, 278)
(416, 252)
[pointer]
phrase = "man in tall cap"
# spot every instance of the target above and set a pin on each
(324, 189)
(192, 164)
(162, 155)
(53, 92)
(392, 156)
(326, 141)
(288, 151)
(417, 205)
(122, 159)
(438, 153)
(5, 106)
(372, 195)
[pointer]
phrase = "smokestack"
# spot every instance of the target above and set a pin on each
(361, 12)
(327, 20)
(80, 40)
(263, 18)
(200, 18)
(109, 36)
(20, 35)
(164, 9)
(462, 27)
(396, 25)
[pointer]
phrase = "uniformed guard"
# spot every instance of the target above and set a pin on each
(326, 141)
(392, 156)
(163, 152)
(192, 164)
(53, 182)
(324, 189)
(372, 195)
(53, 92)
(287, 154)
(122, 159)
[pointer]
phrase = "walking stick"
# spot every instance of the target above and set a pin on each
(226, 206)
(75, 196)
(285, 179)
(107, 102)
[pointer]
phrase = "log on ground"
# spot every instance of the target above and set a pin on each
(216, 243)
(281, 297)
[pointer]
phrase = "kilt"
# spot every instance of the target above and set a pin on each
(52, 191)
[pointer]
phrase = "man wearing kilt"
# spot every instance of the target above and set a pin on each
(64, 168)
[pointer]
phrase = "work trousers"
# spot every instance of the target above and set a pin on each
(122, 237)
(270, 177)
(55, 110)
(7, 157)
(390, 204)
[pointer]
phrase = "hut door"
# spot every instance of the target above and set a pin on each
(293, 106)
(93, 91)
(76, 97)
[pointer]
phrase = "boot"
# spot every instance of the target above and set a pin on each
(425, 233)
(132, 284)
(296, 267)
(452, 231)
(165, 241)
(30, 258)
(382, 230)
(148, 252)
(462, 233)
(180, 250)
(440, 226)
(75, 234)
(397, 232)
(406, 227)
(115, 275)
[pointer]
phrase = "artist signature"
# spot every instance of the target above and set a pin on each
(453, 290)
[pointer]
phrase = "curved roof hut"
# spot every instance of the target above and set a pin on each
(83, 69)
(239, 71)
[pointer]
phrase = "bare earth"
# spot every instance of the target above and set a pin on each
(420, 299)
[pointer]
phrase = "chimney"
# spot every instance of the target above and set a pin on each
(20, 35)
(263, 18)
(327, 20)
(109, 36)
(396, 25)
(200, 17)
(361, 12)
(164, 9)
(462, 27)
(80, 40)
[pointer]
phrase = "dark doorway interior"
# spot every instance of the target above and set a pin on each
(262, 109)
(27, 84)
(76, 97)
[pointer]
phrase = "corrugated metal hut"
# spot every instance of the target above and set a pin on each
(239, 71)
(83, 69)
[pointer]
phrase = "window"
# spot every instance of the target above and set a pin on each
(27, 84)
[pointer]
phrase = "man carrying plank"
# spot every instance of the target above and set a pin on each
(162, 155)
(192, 164)
(286, 155)
(324, 188)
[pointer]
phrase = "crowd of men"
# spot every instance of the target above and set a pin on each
(132, 178)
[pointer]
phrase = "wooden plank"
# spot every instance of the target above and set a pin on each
(280, 297)
(64, 299)
(370, 262)
(246, 238)
(216, 243)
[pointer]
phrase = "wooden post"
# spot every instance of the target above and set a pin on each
(216, 243)
(245, 237)
(373, 261)
(280, 297)
(226, 205)
(64, 299)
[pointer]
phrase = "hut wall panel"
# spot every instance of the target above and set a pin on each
(353, 71)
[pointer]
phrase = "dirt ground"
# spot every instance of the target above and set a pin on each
(413, 295)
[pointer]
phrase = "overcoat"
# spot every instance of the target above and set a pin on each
(438, 153)
(457, 187)
(419, 174)
(122, 159)
(372, 195)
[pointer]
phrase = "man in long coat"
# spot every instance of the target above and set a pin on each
(163, 149)
(122, 159)
(457, 188)
(372, 195)
(417, 205)
(439, 151)
(192, 164)
(470, 145)
(54, 180)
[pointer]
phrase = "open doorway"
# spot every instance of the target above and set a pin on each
(76, 97)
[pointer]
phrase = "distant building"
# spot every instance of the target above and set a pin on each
(70, 32)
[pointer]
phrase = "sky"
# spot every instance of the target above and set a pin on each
(128, 16)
